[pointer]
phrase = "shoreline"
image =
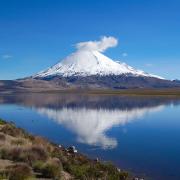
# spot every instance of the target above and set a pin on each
(35, 157)
(163, 92)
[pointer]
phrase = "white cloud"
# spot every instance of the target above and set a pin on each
(6, 56)
(101, 45)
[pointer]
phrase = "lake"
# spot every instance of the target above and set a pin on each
(138, 134)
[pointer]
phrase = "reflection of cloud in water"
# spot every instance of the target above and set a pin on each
(90, 125)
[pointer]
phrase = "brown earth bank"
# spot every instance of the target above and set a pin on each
(24, 156)
(42, 86)
(109, 85)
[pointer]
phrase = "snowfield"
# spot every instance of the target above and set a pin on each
(88, 63)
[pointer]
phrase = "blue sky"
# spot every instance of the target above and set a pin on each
(36, 34)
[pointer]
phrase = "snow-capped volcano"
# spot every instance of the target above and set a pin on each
(89, 63)
(89, 68)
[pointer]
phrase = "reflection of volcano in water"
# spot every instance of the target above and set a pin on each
(91, 116)
(90, 125)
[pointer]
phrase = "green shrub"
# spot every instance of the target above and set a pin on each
(2, 122)
(38, 166)
(51, 169)
(80, 172)
(119, 176)
(95, 171)
(19, 172)
(56, 153)
(111, 171)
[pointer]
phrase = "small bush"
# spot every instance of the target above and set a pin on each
(39, 152)
(18, 142)
(4, 153)
(95, 171)
(3, 174)
(16, 154)
(57, 153)
(11, 130)
(79, 171)
(32, 154)
(20, 154)
(40, 141)
(2, 122)
(2, 137)
(82, 159)
(51, 169)
(19, 172)
(119, 176)
(111, 171)
(38, 166)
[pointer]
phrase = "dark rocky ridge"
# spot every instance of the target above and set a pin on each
(112, 82)
(89, 82)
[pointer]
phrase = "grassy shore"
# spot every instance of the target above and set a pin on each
(24, 156)
(164, 92)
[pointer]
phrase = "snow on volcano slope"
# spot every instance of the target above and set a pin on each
(88, 63)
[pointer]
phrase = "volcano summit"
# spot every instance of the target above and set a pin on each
(88, 67)
(89, 61)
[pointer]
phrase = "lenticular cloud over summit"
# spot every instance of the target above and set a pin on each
(101, 45)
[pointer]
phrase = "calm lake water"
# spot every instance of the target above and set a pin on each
(139, 134)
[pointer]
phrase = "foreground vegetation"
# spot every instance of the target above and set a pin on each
(23, 156)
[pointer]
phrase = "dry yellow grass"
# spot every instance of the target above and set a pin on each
(38, 158)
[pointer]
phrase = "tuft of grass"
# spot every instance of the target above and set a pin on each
(47, 159)
(49, 169)
(28, 154)
(18, 142)
(4, 153)
(2, 137)
(4, 174)
(39, 152)
(80, 172)
(19, 171)
(52, 169)
(95, 171)
(11, 130)
(32, 154)
(13, 153)
(43, 142)
(111, 171)
(57, 153)
(38, 166)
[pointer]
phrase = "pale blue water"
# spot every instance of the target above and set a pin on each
(139, 134)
